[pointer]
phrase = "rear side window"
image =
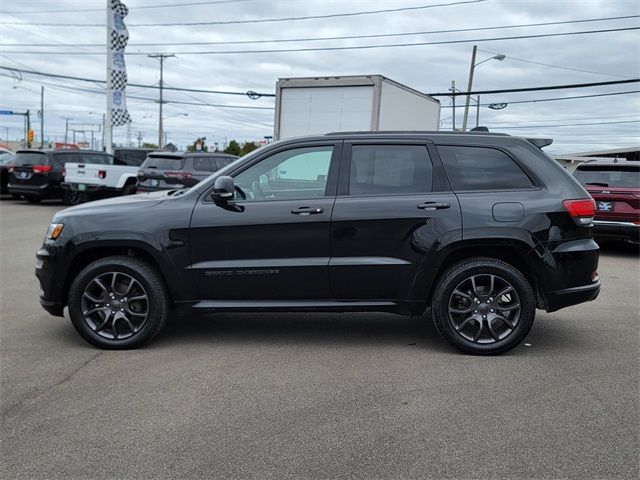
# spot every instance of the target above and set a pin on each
(133, 158)
(204, 164)
(223, 162)
(164, 162)
(389, 169)
(26, 159)
(605, 176)
(480, 168)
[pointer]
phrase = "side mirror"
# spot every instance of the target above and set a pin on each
(223, 189)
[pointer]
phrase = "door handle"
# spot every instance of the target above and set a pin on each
(304, 211)
(430, 206)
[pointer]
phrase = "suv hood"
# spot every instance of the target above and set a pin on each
(128, 202)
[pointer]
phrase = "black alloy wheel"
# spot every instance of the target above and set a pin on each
(118, 302)
(483, 306)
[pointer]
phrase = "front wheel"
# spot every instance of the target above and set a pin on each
(33, 199)
(118, 303)
(483, 306)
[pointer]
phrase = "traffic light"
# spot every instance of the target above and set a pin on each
(30, 135)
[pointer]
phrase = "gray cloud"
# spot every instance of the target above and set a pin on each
(426, 68)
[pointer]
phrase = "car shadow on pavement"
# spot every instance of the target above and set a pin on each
(305, 328)
(619, 249)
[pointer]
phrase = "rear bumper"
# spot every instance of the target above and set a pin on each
(90, 189)
(572, 296)
(628, 231)
(38, 191)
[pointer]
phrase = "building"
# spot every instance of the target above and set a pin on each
(570, 161)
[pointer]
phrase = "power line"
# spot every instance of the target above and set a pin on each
(534, 89)
(539, 100)
(257, 20)
(346, 37)
(167, 5)
(325, 49)
(555, 66)
(250, 94)
(565, 125)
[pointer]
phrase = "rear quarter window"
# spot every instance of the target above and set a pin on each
(482, 168)
(204, 164)
(222, 162)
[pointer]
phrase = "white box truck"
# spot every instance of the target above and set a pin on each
(308, 106)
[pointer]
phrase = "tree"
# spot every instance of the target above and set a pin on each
(233, 148)
(203, 146)
(149, 145)
(248, 147)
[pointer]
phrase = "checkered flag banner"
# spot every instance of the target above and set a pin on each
(118, 39)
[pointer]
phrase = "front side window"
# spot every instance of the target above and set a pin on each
(389, 170)
(299, 173)
(480, 168)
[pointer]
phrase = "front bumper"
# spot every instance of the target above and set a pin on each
(627, 231)
(50, 286)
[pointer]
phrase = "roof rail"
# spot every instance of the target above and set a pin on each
(418, 132)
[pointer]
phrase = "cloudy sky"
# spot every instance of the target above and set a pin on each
(610, 121)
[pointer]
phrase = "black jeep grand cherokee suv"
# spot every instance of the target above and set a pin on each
(483, 228)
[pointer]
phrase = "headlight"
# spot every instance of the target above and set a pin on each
(55, 229)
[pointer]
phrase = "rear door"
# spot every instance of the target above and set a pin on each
(389, 212)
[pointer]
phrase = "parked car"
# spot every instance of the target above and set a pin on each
(483, 228)
(38, 174)
(171, 170)
(615, 186)
(6, 159)
(133, 157)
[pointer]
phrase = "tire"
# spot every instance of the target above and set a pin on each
(483, 306)
(129, 189)
(33, 200)
(70, 197)
(118, 318)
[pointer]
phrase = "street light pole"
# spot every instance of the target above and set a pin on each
(499, 57)
(466, 103)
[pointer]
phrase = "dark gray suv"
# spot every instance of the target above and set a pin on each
(480, 228)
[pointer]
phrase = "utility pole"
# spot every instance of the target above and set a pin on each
(161, 56)
(139, 137)
(478, 112)
(453, 100)
(466, 105)
(66, 131)
(42, 116)
(28, 129)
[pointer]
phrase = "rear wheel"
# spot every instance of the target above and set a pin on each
(129, 189)
(118, 303)
(483, 306)
(71, 197)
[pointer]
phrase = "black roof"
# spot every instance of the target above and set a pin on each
(164, 153)
(57, 150)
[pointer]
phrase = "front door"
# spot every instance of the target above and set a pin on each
(390, 210)
(271, 242)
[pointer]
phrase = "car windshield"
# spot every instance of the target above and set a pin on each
(27, 159)
(164, 162)
(613, 176)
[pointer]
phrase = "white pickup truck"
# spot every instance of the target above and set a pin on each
(85, 181)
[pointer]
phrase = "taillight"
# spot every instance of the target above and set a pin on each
(42, 168)
(102, 174)
(64, 172)
(582, 211)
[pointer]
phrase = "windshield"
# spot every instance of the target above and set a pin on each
(27, 159)
(164, 162)
(613, 176)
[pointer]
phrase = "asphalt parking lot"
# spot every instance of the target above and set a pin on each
(315, 395)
